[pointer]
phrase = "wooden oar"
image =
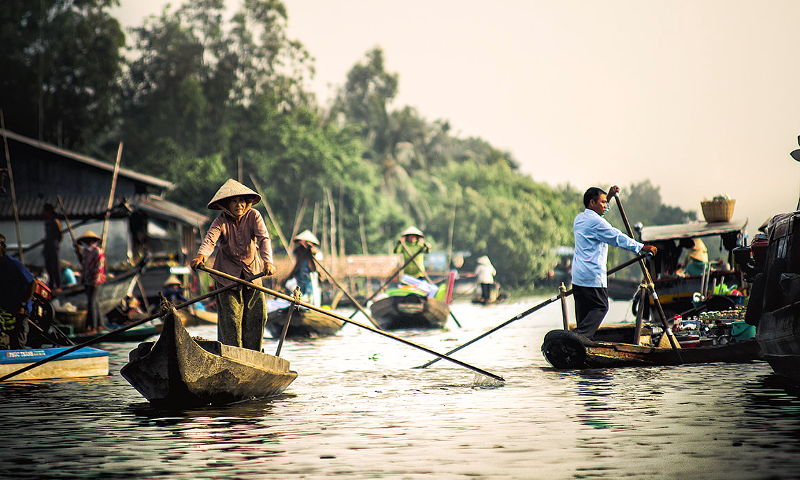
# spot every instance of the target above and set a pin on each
(651, 287)
(346, 293)
(13, 189)
(405, 249)
(387, 282)
(285, 330)
(347, 320)
(527, 312)
(120, 330)
(111, 193)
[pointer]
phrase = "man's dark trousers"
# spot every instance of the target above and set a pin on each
(591, 306)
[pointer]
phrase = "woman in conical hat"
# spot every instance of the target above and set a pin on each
(484, 274)
(304, 271)
(411, 241)
(697, 258)
(244, 249)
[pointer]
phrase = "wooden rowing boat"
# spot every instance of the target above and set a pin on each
(135, 334)
(410, 311)
(567, 350)
(178, 370)
(86, 362)
(305, 323)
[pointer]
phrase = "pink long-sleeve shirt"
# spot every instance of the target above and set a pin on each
(243, 247)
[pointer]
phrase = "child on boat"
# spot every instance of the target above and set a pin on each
(244, 249)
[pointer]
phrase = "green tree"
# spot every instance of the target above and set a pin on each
(61, 68)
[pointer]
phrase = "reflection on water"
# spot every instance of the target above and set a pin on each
(359, 411)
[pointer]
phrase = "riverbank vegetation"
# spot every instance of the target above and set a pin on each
(197, 98)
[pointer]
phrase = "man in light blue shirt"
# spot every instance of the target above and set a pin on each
(593, 235)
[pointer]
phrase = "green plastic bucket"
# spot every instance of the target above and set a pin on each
(742, 331)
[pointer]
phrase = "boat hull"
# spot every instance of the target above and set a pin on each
(304, 324)
(86, 362)
(779, 337)
(567, 350)
(177, 370)
(410, 311)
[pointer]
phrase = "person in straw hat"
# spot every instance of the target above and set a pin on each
(411, 241)
(173, 290)
(304, 272)
(93, 274)
(244, 249)
(484, 274)
(697, 258)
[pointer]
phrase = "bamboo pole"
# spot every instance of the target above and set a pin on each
(111, 196)
(347, 320)
(13, 188)
(363, 233)
(298, 217)
(562, 290)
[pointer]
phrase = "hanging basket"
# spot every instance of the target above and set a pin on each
(717, 210)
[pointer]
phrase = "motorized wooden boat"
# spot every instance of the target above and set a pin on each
(565, 349)
(178, 370)
(86, 362)
(305, 323)
(410, 311)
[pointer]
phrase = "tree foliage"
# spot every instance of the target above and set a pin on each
(61, 67)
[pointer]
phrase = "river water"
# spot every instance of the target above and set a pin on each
(358, 411)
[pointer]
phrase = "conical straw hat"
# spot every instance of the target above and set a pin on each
(89, 235)
(307, 236)
(484, 260)
(172, 280)
(232, 188)
(412, 231)
(699, 251)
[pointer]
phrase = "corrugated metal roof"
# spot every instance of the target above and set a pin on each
(80, 207)
(154, 181)
(691, 230)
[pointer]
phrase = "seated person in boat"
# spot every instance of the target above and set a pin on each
(244, 249)
(593, 235)
(16, 289)
(173, 290)
(127, 310)
(411, 241)
(304, 272)
(696, 258)
(93, 275)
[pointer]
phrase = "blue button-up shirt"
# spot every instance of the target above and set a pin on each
(593, 235)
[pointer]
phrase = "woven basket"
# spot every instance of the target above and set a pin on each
(717, 210)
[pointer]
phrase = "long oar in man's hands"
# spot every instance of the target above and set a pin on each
(345, 319)
(120, 330)
(527, 312)
(651, 287)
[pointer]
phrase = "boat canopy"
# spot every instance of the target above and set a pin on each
(691, 230)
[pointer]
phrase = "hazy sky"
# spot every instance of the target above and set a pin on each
(701, 97)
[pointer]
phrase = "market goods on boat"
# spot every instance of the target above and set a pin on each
(305, 323)
(712, 338)
(86, 362)
(179, 370)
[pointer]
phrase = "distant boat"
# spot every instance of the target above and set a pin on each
(410, 311)
(305, 323)
(135, 334)
(178, 370)
(85, 362)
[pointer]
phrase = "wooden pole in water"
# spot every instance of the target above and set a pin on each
(347, 320)
(562, 291)
(637, 332)
(111, 196)
(529, 311)
(13, 188)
